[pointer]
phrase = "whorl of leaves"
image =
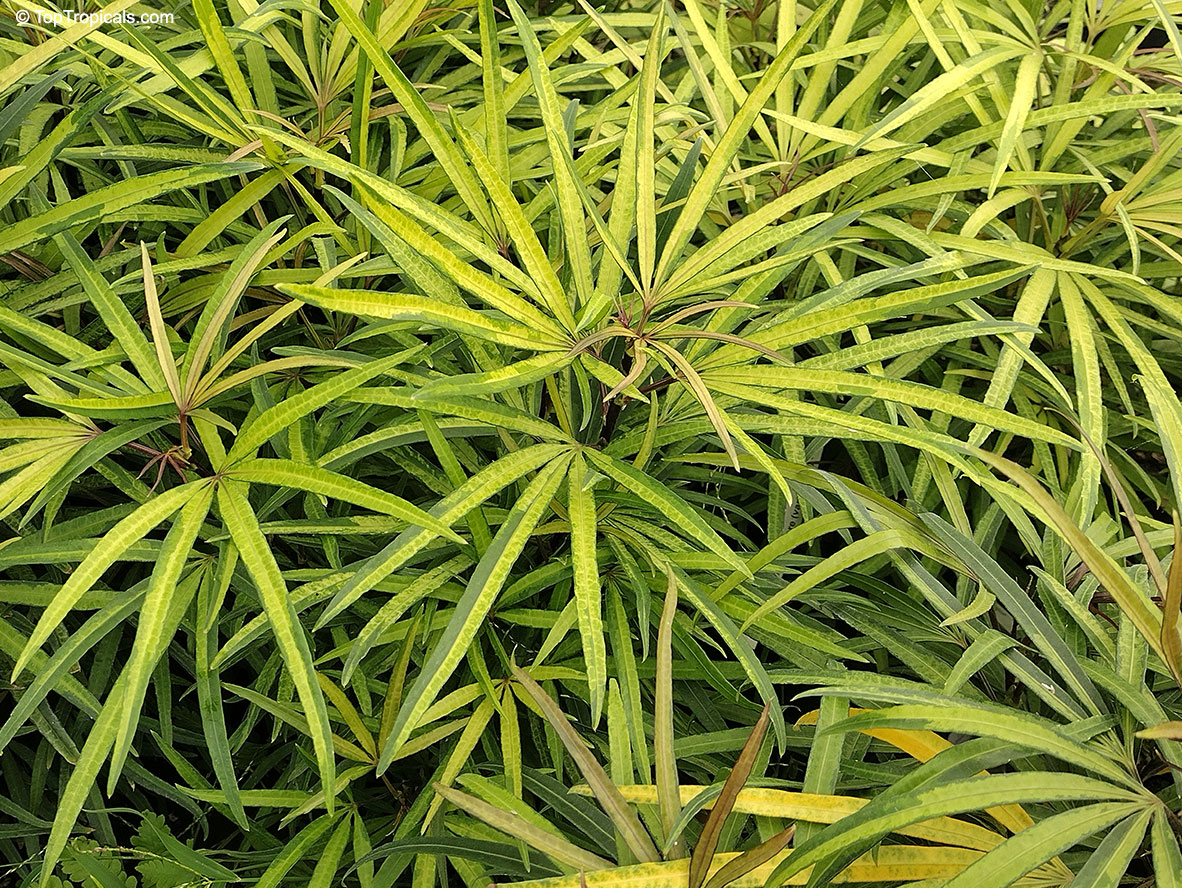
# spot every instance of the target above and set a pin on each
(624, 443)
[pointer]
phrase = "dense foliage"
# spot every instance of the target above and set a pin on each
(434, 434)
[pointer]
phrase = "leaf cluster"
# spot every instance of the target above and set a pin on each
(624, 443)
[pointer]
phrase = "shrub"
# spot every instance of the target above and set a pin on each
(420, 419)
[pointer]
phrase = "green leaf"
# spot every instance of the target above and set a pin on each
(731, 142)
(301, 476)
(558, 848)
(115, 542)
(160, 597)
(525, 240)
(113, 311)
(880, 817)
(601, 785)
(112, 199)
(1036, 844)
(1167, 857)
(450, 509)
(295, 851)
(1025, 85)
(1013, 727)
(94, 752)
(1108, 864)
(667, 503)
(1133, 601)
(443, 149)
(408, 307)
(259, 561)
(588, 597)
(574, 223)
(275, 419)
(488, 578)
(663, 753)
(512, 376)
(941, 89)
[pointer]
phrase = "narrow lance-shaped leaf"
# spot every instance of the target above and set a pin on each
(1171, 608)
(149, 639)
(409, 307)
(529, 248)
(273, 420)
(708, 840)
(113, 198)
(644, 108)
(259, 560)
(209, 700)
(1110, 861)
(442, 147)
(451, 508)
(570, 204)
(292, 474)
(114, 312)
(114, 544)
(664, 755)
(1132, 600)
(667, 503)
(1025, 85)
(588, 597)
(605, 791)
(762, 854)
(879, 818)
(159, 332)
(86, 768)
(212, 324)
(488, 578)
(495, 129)
(514, 825)
(732, 141)
(1054, 835)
